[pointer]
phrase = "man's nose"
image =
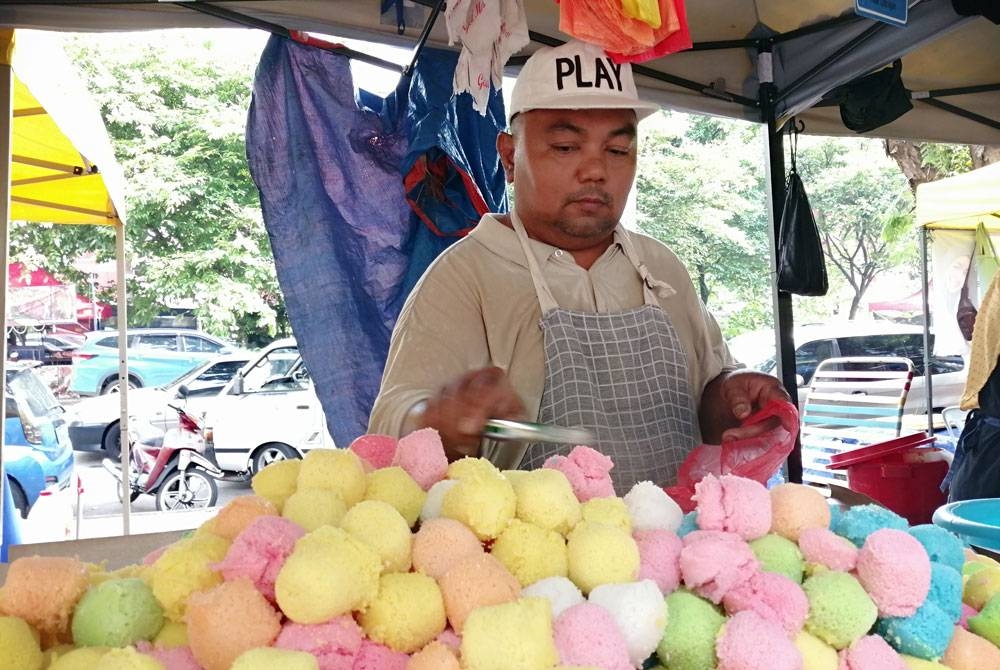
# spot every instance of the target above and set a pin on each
(593, 166)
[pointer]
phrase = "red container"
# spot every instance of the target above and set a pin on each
(904, 474)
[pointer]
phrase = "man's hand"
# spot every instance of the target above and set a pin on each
(732, 397)
(460, 410)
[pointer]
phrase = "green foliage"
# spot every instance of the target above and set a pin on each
(950, 159)
(710, 212)
(175, 108)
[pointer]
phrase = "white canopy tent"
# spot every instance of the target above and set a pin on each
(948, 212)
(761, 60)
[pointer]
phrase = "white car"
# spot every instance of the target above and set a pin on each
(268, 412)
(94, 422)
(817, 342)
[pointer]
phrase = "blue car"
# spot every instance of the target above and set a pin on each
(37, 451)
(156, 356)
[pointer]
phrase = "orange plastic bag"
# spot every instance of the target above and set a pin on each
(755, 458)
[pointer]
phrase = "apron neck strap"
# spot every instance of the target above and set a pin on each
(545, 299)
(651, 287)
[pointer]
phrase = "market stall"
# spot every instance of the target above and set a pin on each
(764, 61)
(384, 555)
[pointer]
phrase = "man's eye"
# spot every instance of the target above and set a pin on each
(620, 151)
(564, 148)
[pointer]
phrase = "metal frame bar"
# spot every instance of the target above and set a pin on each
(424, 34)
(963, 90)
(781, 301)
(274, 28)
(964, 113)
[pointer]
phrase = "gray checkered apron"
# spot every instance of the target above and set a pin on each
(621, 374)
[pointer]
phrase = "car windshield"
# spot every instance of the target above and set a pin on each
(27, 387)
(190, 372)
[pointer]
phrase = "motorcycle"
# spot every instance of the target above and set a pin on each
(174, 466)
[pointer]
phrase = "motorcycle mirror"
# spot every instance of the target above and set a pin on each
(237, 388)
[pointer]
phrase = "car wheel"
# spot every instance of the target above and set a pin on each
(17, 494)
(111, 385)
(193, 489)
(271, 453)
(112, 441)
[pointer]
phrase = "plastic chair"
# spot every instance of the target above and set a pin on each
(953, 417)
(852, 402)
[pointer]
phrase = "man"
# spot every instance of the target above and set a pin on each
(555, 312)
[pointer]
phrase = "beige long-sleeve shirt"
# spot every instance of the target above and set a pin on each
(476, 306)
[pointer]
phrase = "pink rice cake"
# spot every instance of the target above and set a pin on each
(870, 652)
(824, 547)
(174, 658)
(421, 454)
(259, 552)
(774, 597)
(588, 472)
(896, 572)
(712, 563)
(748, 641)
(375, 450)
(734, 505)
(335, 644)
(659, 557)
(374, 656)
(586, 634)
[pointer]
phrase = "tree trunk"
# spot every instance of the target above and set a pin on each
(906, 153)
(984, 154)
(702, 284)
(855, 303)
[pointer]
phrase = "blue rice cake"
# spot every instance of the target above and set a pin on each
(942, 546)
(857, 523)
(925, 635)
(946, 590)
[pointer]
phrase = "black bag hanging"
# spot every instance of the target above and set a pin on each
(801, 261)
(873, 100)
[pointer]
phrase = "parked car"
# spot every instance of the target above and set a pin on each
(155, 356)
(94, 423)
(268, 412)
(37, 451)
(46, 348)
(817, 342)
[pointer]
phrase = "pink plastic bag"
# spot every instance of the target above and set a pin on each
(755, 458)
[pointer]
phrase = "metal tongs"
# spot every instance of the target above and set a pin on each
(522, 431)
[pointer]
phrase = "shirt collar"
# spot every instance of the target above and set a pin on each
(503, 241)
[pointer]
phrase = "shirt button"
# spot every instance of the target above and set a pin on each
(559, 252)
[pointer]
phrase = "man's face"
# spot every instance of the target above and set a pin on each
(572, 171)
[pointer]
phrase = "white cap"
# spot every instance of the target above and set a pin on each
(576, 75)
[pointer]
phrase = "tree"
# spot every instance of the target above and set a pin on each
(176, 114)
(861, 210)
(922, 162)
(710, 212)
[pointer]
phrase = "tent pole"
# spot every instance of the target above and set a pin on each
(927, 333)
(125, 448)
(6, 146)
(422, 41)
(781, 301)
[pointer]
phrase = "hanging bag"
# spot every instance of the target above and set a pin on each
(801, 261)
(983, 263)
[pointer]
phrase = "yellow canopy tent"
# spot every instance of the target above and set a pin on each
(58, 165)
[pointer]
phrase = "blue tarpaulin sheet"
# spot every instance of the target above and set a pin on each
(349, 239)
